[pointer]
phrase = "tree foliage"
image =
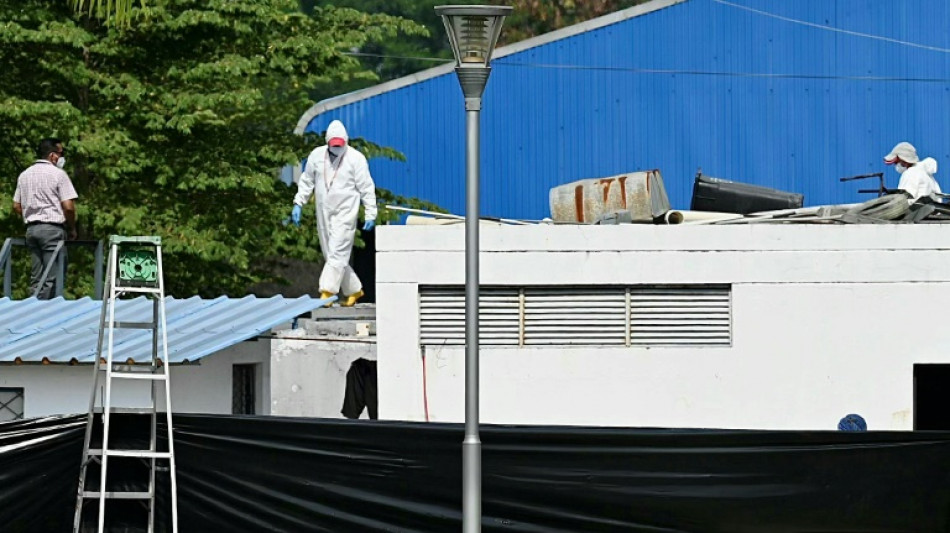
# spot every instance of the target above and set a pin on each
(393, 58)
(404, 55)
(118, 11)
(535, 17)
(177, 125)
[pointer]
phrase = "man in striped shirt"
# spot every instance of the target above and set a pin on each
(44, 198)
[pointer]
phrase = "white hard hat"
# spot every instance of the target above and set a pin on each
(903, 151)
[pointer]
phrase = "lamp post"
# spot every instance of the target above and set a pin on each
(473, 32)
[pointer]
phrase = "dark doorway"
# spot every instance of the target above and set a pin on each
(931, 386)
(244, 390)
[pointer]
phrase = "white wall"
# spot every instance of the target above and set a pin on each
(309, 374)
(196, 388)
(208, 388)
(306, 376)
(827, 320)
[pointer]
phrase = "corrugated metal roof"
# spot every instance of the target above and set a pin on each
(791, 95)
(449, 66)
(66, 331)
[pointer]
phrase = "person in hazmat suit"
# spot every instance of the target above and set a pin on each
(917, 177)
(337, 175)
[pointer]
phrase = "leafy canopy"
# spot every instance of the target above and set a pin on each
(119, 11)
(177, 125)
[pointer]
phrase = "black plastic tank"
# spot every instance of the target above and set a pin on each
(724, 196)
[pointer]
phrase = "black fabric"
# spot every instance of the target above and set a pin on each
(39, 469)
(253, 474)
(360, 390)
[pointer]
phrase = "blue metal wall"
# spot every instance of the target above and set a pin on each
(754, 98)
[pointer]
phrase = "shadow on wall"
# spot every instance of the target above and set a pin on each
(302, 278)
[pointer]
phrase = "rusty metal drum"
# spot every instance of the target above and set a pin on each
(642, 194)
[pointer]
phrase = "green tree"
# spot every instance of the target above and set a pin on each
(392, 58)
(176, 126)
(118, 10)
(404, 55)
(530, 18)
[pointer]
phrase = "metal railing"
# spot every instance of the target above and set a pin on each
(59, 261)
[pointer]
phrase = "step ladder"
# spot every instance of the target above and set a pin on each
(134, 269)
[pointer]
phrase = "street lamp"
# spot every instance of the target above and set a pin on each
(473, 31)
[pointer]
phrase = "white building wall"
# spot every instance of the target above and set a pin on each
(827, 320)
(208, 388)
(196, 388)
(297, 375)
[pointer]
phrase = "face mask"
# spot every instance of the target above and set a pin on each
(900, 168)
(337, 150)
(61, 162)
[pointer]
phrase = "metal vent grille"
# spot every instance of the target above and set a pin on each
(689, 315)
(681, 316)
(564, 316)
(442, 316)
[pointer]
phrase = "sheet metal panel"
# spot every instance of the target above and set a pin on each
(66, 331)
(745, 96)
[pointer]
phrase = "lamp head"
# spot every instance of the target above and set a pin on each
(473, 32)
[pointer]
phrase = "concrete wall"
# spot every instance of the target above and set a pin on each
(309, 373)
(196, 388)
(827, 320)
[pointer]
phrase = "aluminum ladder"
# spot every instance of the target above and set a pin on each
(134, 269)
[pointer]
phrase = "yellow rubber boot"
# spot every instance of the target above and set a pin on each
(324, 295)
(351, 299)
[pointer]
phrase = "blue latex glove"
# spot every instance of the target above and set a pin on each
(369, 225)
(295, 215)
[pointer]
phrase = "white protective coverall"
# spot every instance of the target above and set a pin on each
(338, 185)
(919, 181)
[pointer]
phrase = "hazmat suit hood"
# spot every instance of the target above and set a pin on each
(929, 165)
(336, 129)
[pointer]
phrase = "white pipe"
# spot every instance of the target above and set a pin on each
(697, 217)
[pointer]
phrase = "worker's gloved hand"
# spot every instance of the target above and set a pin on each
(295, 215)
(369, 225)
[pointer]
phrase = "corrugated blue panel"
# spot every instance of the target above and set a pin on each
(66, 331)
(741, 94)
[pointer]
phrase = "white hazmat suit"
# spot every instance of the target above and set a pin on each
(917, 177)
(919, 180)
(338, 183)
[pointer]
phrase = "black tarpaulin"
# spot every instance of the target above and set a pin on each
(39, 469)
(297, 475)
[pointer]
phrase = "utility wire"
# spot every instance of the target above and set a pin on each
(722, 73)
(411, 58)
(832, 28)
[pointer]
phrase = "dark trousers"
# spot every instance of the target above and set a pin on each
(42, 239)
(361, 389)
